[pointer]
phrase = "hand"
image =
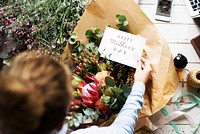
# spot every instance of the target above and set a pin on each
(143, 71)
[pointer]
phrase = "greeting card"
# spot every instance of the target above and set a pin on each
(121, 47)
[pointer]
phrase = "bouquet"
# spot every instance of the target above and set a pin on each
(164, 77)
(100, 86)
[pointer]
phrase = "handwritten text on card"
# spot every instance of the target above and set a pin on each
(121, 47)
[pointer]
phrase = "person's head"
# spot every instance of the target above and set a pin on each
(21, 106)
(52, 79)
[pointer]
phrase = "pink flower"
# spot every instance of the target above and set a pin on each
(89, 77)
(29, 46)
(91, 97)
(89, 94)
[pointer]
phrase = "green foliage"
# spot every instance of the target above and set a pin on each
(78, 118)
(44, 24)
(126, 90)
(110, 82)
(94, 35)
(122, 23)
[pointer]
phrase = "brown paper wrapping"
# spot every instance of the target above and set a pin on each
(162, 86)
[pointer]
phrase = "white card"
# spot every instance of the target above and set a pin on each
(121, 47)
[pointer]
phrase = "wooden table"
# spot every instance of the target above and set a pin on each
(178, 34)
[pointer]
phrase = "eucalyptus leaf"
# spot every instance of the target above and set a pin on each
(99, 35)
(73, 36)
(90, 46)
(96, 116)
(71, 123)
(125, 29)
(117, 90)
(79, 116)
(119, 25)
(80, 48)
(76, 122)
(110, 82)
(122, 18)
(97, 30)
(114, 104)
(72, 41)
(88, 111)
(125, 23)
(88, 33)
(126, 90)
(117, 16)
(86, 119)
(92, 117)
(93, 39)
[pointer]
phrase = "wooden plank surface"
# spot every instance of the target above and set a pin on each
(178, 34)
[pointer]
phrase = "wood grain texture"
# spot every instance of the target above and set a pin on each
(178, 34)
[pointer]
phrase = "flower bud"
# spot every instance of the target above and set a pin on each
(102, 66)
(76, 81)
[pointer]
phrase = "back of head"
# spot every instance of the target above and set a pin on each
(21, 106)
(52, 79)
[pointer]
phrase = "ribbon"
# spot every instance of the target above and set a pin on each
(170, 117)
(185, 107)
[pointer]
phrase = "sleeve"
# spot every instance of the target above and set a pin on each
(127, 117)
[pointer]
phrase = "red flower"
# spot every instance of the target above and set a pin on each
(102, 107)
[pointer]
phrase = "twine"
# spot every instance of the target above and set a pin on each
(193, 78)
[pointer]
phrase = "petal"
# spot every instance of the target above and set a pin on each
(93, 86)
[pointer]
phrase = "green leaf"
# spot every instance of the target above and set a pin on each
(73, 36)
(71, 122)
(118, 16)
(76, 96)
(86, 119)
(125, 29)
(97, 30)
(99, 35)
(93, 39)
(125, 23)
(76, 123)
(106, 99)
(96, 116)
(80, 48)
(120, 99)
(114, 104)
(88, 33)
(79, 116)
(90, 46)
(88, 111)
(126, 90)
(72, 41)
(119, 25)
(117, 90)
(122, 18)
(92, 117)
(110, 82)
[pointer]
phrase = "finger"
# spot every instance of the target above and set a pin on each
(139, 64)
(146, 63)
(142, 66)
(143, 59)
